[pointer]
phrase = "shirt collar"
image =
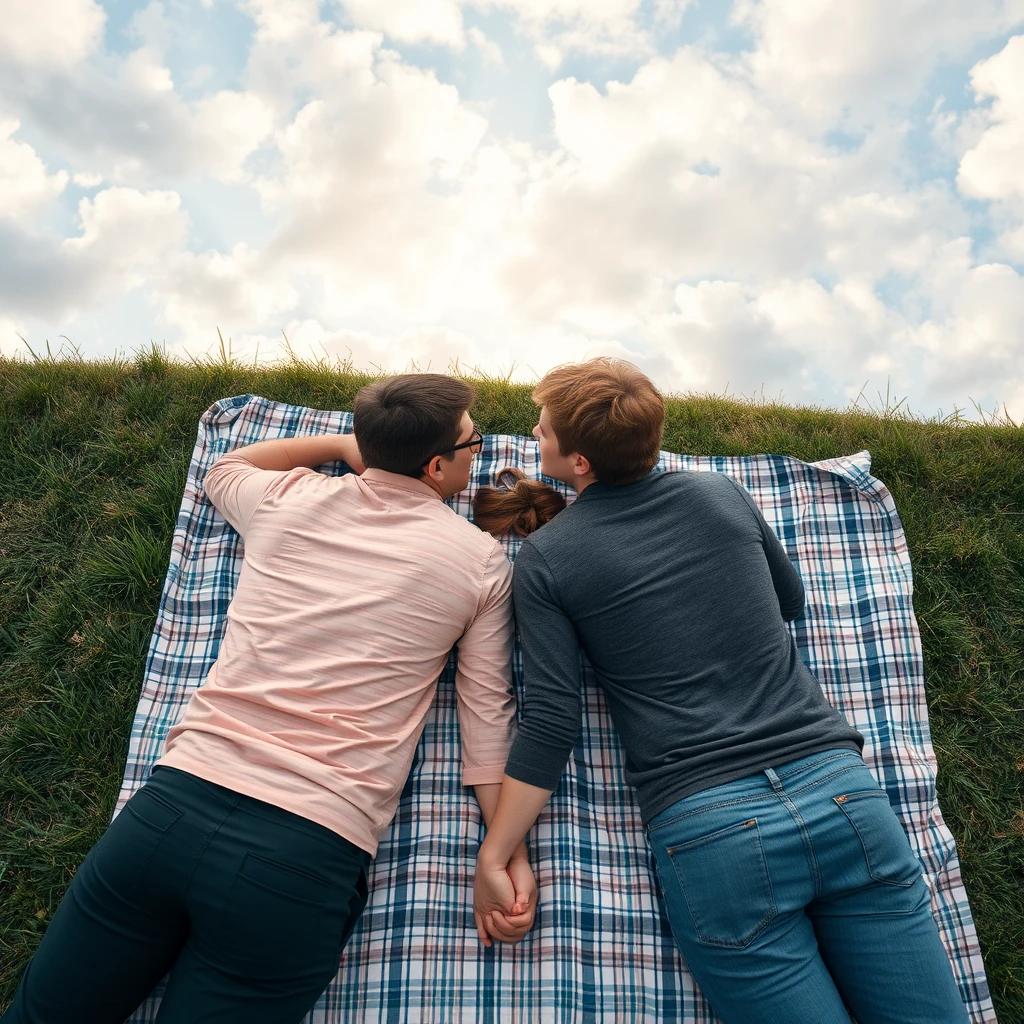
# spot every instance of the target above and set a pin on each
(600, 490)
(405, 483)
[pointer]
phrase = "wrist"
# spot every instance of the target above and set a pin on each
(489, 858)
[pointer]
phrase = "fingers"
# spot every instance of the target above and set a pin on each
(481, 930)
(505, 929)
(493, 924)
(500, 930)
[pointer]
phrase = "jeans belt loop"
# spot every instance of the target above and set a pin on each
(774, 779)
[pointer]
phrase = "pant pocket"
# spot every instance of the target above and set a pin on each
(725, 884)
(275, 921)
(122, 859)
(887, 853)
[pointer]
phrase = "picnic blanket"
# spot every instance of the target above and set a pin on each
(600, 950)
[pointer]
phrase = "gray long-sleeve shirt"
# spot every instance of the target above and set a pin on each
(676, 590)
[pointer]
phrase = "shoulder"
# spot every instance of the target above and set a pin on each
(476, 544)
(694, 482)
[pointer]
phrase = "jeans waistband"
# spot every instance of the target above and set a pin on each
(759, 782)
(206, 795)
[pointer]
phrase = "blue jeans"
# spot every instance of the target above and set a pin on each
(794, 897)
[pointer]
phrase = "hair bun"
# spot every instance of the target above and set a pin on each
(517, 505)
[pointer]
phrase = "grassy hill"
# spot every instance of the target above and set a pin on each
(93, 458)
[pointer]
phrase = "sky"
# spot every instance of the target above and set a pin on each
(809, 201)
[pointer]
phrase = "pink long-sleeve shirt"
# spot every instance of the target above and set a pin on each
(353, 591)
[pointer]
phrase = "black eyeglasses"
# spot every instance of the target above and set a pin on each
(475, 443)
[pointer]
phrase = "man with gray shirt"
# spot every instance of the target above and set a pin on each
(789, 883)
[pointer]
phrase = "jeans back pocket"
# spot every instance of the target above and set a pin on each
(887, 852)
(725, 884)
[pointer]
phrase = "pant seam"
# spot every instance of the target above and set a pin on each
(806, 837)
(206, 845)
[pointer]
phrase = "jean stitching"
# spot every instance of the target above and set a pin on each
(770, 913)
(867, 857)
(743, 800)
(806, 837)
(824, 779)
(815, 764)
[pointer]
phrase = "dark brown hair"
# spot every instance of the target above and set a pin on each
(517, 505)
(402, 422)
(607, 410)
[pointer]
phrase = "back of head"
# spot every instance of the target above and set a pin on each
(607, 410)
(401, 422)
(517, 505)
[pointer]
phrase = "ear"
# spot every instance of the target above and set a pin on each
(581, 467)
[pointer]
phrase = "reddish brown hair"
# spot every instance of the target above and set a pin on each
(607, 410)
(517, 505)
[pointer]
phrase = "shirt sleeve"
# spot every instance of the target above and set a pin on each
(237, 487)
(483, 678)
(551, 716)
(788, 586)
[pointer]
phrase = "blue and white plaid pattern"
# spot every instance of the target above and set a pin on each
(600, 950)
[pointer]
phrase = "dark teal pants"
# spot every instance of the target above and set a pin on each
(248, 907)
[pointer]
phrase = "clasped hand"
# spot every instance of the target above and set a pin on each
(504, 900)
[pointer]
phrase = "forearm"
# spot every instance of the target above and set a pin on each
(288, 452)
(487, 797)
(518, 806)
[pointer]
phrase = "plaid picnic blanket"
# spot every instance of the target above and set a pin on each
(601, 950)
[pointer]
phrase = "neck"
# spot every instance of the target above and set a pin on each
(432, 484)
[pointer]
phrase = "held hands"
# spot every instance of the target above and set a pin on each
(504, 899)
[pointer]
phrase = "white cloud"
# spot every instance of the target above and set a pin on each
(490, 50)
(151, 27)
(124, 120)
(972, 339)
(411, 21)
(228, 126)
(368, 193)
(24, 182)
(50, 32)
(128, 238)
(870, 234)
(204, 290)
(11, 333)
(793, 333)
(558, 27)
(283, 20)
(127, 232)
(425, 348)
(994, 167)
(850, 63)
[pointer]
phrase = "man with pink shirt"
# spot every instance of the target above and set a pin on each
(240, 866)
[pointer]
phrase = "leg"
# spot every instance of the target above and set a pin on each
(116, 932)
(270, 916)
(871, 911)
(779, 979)
(735, 880)
(884, 952)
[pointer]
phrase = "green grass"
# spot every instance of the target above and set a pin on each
(93, 458)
